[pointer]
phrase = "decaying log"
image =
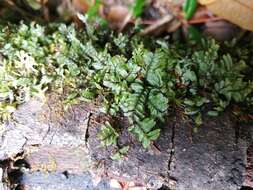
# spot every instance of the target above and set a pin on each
(52, 141)
(47, 138)
(56, 141)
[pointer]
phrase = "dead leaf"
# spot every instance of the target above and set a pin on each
(117, 13)
(82, 5)
(239, 12)
(221, 30)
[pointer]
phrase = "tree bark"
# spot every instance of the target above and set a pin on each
(44, 138)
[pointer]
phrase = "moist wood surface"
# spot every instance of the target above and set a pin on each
(53, 141)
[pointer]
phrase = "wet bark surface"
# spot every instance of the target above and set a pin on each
(46, 147)
(212, 159)
(149, 167)
(245, 133)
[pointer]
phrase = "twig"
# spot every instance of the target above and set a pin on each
(165, 20)
(125, 22)
(87, 129)
(203, 20)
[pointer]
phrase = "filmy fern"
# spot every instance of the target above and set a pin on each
(140, 82)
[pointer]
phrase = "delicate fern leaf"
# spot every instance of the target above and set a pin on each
(147, 124)
(153, 135)
(108, 135)
(155, 78)
(120, 153)
(144, 132)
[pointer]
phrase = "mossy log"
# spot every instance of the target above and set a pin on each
(45, 138)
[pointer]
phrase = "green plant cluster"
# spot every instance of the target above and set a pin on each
(142, 80)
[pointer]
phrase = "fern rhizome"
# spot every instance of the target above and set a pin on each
(140, 79)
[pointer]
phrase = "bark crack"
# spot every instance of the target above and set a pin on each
(172, 151)
(172, 181)
(87, 135)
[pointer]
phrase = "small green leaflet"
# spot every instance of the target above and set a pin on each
(108, 135)
(120, 153)
(137, 7)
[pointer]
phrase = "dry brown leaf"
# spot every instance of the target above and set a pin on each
(82, 5)
(239, 12)
(221, 30)
(117, 13)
